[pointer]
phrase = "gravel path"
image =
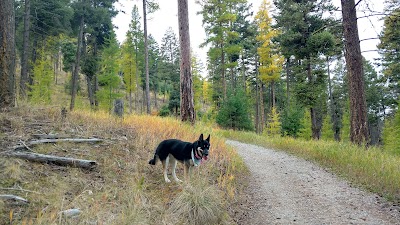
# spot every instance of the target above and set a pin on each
(284, 189)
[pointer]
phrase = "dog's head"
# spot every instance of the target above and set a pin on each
(203, 147)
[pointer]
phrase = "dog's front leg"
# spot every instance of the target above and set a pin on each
(174, 162)
(187, 171)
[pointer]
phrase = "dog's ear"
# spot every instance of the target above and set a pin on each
(201, 137)
(208, 138)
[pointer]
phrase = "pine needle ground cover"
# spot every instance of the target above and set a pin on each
(123, 188)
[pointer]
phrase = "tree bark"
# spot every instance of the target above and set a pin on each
(288, 82)
(7, 53)
(262, 110)
(24, 58)
(186, 81)
(358, 105)
(146, 59)
(315, 129)
(75, 73)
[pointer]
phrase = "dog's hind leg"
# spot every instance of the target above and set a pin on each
(165, 169)
(174, 162)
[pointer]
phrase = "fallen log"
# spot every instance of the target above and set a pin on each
(73, 140)
(48, 136)
(57, 160)
(14, 198)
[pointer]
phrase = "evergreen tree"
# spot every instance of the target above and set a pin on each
(305, 36)
(374, 91)
(137, 36)
(218, 19)
(169, 66)
(234, 112)
(41, 89)
(109, 80)
(270, 61)
(273, 127)
(291, 121)
(391, 134)
(128, 67)
(391, 56)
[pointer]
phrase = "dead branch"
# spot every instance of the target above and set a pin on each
(14, 198)
(48, 136)
(73, 140)
(61, 161)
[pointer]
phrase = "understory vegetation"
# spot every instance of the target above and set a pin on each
(123, 188)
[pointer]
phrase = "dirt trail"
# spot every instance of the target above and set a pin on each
(284, 189)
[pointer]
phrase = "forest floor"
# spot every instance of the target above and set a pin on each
(284, 189)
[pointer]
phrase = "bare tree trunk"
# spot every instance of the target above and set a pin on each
(155, 98)
(315, 130)
(146, 58)
(273, 94)
(130, 87)
(257, 119)
(24, 59)
(186, 90)
(223, 71)
(336, 132)
(75, 73)
(137, 78)
(288, 82)
(262, 110)
(7, 53)
(358, 105)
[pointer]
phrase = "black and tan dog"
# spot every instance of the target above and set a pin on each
(173, 151)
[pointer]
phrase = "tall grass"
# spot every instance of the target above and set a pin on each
(124, 188)
(371, 168)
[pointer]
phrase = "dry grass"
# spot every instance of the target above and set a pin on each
(123, 189)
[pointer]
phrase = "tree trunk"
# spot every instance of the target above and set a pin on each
(130, 87)
(262, 110)
(90, 91)
(186, 83)
(272, 94)
(288, 82)
(257, 119)
(137, 78)
(75, 73)
(336, 132)
(223, 71)
(146, 58)
(358, 105)
(24, 59)
(315, 130)
(7, 53)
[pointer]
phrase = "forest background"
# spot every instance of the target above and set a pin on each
(278, 70)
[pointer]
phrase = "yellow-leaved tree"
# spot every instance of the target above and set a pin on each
(269, 58)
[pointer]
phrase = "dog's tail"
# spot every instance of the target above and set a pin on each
(153, 161)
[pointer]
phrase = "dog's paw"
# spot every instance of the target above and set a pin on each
(178, 180)
(167, 180)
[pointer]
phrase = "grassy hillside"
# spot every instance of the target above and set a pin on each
(370, 168)
(124, 188)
